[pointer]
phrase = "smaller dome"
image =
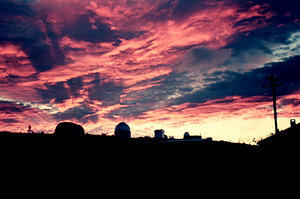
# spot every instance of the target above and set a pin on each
(186, 135)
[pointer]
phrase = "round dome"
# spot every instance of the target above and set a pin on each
(122, 127)
(122, 130)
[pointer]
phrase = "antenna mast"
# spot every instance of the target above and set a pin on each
(274, 84)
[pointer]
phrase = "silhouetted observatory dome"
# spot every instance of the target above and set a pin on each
(69, 129)
(123, 130)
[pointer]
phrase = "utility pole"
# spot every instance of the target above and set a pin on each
(274, 84)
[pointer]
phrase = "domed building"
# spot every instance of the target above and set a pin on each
(123, 130)
(186, 135)
(69, 129)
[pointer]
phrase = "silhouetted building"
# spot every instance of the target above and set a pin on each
(123, 130)
(68, 129)
(195, 138)
(293, 123)
(190, 138)
(187, 136)
(159, 134)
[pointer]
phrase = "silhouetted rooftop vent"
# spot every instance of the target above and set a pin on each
(123, 130)
(293, 122)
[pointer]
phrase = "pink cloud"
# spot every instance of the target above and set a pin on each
(131, 62)
(13, 61)
(158, 44)
(39, 119)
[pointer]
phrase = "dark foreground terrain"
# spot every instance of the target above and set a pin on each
(284, 141)
(100, 146)
(112, 157)
(46, 141)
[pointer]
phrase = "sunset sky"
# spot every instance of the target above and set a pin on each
(193, 66)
